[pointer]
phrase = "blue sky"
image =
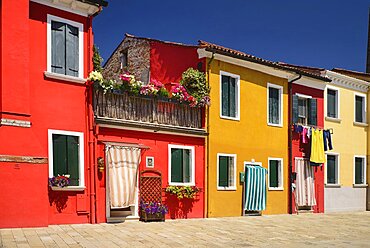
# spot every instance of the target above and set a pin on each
(321, 33)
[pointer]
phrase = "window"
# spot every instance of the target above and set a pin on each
(360, 170)
(332, 169)
(66, 155)
(123, 60)
(304, 110)
(360, 108)
(229, 96)
(65, 47)
(275, 105)
(332, 103)
(275, 172)
(181, 165)
(226, 171)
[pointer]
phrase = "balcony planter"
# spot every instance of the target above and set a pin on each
(148, 217)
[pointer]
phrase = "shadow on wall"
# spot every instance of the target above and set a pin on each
(59, 199)
(179, 208)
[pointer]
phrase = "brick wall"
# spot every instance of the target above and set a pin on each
(138, 52)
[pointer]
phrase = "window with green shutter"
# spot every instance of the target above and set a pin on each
(332, 103)
(274, 104)
(66, 157)
(226, 171)
(275, 173)
(359, 170)
(359, 108)
(64, 49)
(229, 96)
(181, 165)
(332, 169)
(304, 110)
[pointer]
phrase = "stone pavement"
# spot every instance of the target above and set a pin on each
(319, 230)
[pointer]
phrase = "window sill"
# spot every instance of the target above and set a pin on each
(226, 188)
(274, 125)
(333, 185)
(360, 185)
(230, 118)
(276, 189)
(64, 77)
(360, 124)
(333, 119)
(181, 184)
(68, 188)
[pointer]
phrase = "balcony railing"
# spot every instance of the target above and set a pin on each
(146, 111)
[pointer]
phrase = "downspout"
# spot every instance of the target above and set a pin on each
(91, 166)
(290, 138)
(207, 140)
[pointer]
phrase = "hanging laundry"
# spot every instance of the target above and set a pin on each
(317, 147)
(327, 140)
(304, 135)
(298, 128)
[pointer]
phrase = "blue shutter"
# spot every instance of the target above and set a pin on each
(72, 51)
(223, 170)
(59, 155)
(176, 165)
(73, 160)
(295, 108)
(232, 97)
(312, 111)
(58, 48)
(225, 96)
(186, 165)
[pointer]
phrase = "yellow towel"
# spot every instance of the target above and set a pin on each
(317, 147)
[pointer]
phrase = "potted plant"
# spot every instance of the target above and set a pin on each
(181, 192)
(60, 181)
(152, 211)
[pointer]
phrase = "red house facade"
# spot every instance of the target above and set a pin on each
(159, 138)
(45, 57)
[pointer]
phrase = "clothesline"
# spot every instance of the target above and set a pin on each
(315, 127)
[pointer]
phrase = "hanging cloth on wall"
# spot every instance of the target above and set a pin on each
(123, 165)
(317, 146)
(255, 188)
(305, 195)
(327, 140)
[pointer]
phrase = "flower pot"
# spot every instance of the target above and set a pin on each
(148, 217)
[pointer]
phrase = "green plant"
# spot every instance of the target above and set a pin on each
(97, 59)
(195, 83)
(181, 192)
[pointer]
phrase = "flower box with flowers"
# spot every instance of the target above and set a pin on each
(152, 211)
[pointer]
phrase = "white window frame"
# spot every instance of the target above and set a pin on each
(237, 81)
(81, 161)
(354, 170)
(80, 26)
(337, 101)
(281, 174)
(192, 166)
(304, 97)
(337, 155)
(235, 163)
(364, 110)
(280, 88)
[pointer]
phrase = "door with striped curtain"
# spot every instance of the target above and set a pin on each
(305, 184)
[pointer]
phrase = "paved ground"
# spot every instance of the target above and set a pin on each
(319, 230)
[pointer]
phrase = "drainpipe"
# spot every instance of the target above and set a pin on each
(90, 113)
(290, 138)
(207, 140)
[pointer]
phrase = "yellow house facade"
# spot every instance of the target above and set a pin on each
(346, 167)
(247, 125)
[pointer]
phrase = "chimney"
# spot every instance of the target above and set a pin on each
(368, 47)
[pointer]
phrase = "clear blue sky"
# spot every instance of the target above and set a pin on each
(321, 33)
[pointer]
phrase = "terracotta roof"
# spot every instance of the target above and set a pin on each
(241, 55)
(356, 74)
(161, 41)
(313, 70)
(95, 2)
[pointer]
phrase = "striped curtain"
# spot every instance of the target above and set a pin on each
(255, 188)
(123, 165)
(305, 194)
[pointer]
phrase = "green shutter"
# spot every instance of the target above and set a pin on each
(331, 103)
(359, 106)
(359, 172)
(331, 170)
(295, 109)
(72, 57)
(274, 110)
(225, 96)
(186, 165)
(58, 47)
(274, 173)
(223, 170)
(312, 111)
(59, 154)
(232, 98)
(176, 165)
(73, 159)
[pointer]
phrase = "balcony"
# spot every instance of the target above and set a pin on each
(116, 109)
